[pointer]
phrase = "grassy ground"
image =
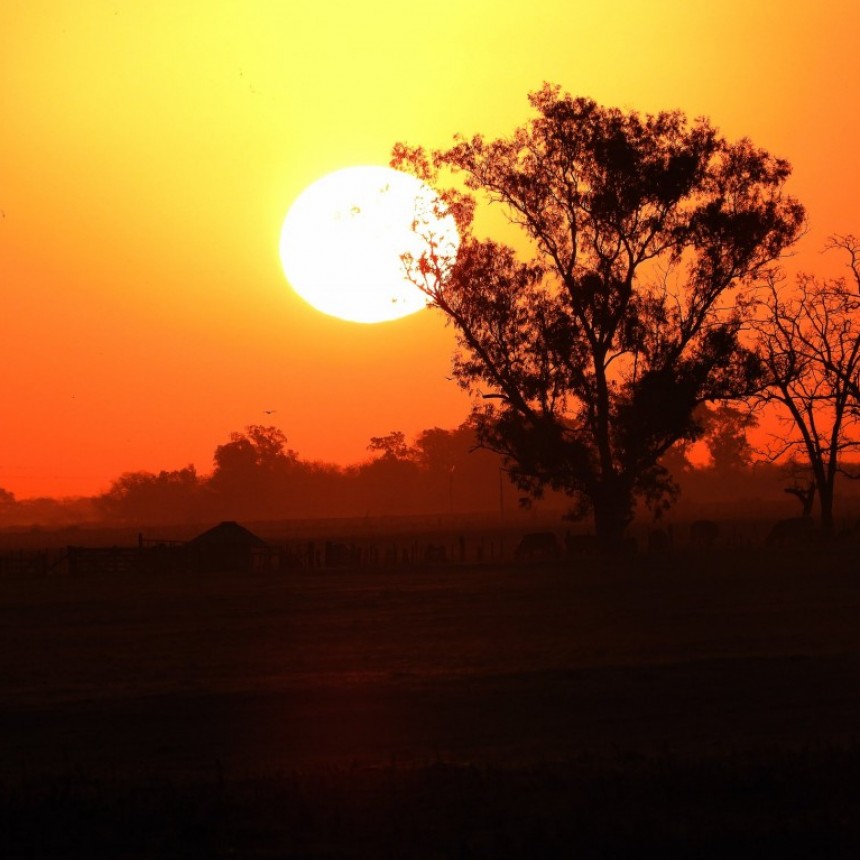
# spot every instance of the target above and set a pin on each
(705, 706)
(773, 804)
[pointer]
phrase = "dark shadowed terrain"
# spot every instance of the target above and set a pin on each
(705, 696)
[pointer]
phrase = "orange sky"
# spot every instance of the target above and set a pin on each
(149, 153)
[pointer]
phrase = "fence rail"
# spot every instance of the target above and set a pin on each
(32, 563)
(151, 556)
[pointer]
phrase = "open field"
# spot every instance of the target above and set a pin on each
(721, 694)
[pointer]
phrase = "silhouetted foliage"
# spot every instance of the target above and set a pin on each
(443, 470)
(257, 477)
(446, 472)
(144, 497)
(389, 482)
(725, 434)
(36, 512)
(593, 354)
(251, 471)
(391, 446)
(459, 474)
(731, 470)
(258, 448)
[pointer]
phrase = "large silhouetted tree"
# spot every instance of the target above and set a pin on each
(616, 315)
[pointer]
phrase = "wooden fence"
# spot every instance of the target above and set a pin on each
(158, 557)
(32, 563)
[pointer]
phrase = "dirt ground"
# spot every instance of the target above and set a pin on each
(264, 673)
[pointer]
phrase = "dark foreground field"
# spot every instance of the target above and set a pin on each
(692, 707)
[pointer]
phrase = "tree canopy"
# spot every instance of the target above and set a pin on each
(592, 342)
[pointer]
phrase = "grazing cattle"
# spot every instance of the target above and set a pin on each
(704, 534)
(795, 531)
(537, 546)
(660, 541)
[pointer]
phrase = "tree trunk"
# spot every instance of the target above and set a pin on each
(612, 514)
(825, 506)
(824, 486)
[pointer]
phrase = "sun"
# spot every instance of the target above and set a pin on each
(344, 239)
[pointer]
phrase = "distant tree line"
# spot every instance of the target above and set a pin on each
(257, 476)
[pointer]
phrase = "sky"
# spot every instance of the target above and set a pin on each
(149, 153)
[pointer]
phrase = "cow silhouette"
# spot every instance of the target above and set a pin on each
(538, 546)
(794, 531)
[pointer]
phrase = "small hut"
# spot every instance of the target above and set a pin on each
(227, 547)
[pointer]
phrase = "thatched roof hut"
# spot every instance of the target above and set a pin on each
(227, 546)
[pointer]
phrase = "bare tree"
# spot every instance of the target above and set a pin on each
(809, 341)
(850, 244)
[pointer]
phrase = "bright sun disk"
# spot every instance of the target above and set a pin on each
(344, 237)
